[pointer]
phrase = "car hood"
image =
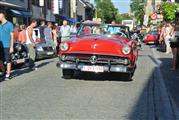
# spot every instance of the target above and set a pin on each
(98, 44)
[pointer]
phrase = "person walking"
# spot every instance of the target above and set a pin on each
(65, 31)
(161, 37)
(167, 34)
(7, 40)
(22, 35)
(48, 34)
(30, 42)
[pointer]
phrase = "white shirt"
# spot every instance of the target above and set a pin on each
(65, 30)
(28, 41)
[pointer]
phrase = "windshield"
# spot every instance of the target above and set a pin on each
(99, 29)
(90, 29)
(122, 31)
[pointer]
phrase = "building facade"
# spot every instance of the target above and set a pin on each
(17, 10)
(85, 10)
(22, 11)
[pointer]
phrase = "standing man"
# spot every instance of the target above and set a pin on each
(48, 34)
(7, 40)
(41, 29)
(2, 68)
(30, 42)
(65, 31)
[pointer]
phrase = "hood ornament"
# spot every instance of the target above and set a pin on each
(93, 59)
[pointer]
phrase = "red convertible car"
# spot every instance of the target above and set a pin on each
(95, 49)
(151, 37)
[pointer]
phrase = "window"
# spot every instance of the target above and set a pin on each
(49, 4)
(35, 2)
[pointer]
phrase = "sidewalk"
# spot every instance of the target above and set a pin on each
(171, 78)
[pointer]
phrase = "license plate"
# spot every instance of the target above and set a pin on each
(49, 53)
(20, 61)
(93, 68)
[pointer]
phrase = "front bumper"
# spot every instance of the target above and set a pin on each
(44, 54)
(112, 68)
(20, 61)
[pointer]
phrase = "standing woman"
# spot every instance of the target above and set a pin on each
(55, 35)
(174, 44)
(167, 36)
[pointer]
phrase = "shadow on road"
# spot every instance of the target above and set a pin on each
(171, 78)
(18, 71)
(153, 110)
(88, 76)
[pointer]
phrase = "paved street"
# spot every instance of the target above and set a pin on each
(43, 94)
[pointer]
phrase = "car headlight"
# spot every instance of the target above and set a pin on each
(18, 47)
(39, 48)
(126, 50)
(64, 46)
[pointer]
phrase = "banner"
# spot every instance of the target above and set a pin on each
(55, 7)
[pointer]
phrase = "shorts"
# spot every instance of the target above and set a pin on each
(174, 44)
(5, 55)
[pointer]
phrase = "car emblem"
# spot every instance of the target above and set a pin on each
(93, 59)
(94, 46)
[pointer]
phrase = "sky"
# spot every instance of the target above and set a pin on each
(122, 5)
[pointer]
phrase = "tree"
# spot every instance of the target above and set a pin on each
(119, 18)
(169, 10)
(137, 6)
(106, 10)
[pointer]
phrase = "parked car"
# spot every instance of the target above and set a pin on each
(20, 54)
(18, 58)
(94, 50)
(151, 37)
(43, 50)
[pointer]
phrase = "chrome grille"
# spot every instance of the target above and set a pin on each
(47, 49)
(95, 59)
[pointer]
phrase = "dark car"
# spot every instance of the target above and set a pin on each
(20, 54)
(43, 50)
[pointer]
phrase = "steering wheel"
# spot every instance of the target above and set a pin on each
(121, 34)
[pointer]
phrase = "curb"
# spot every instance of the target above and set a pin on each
(165, 107)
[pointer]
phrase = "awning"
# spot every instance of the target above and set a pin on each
(20, 13)
(27, 13)
(9, 4)
(71, 20)
(82, 2)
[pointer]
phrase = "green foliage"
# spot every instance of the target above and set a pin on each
(169, 9)
(137, 7)
(106, 10)
(119, 18)
(108, 13)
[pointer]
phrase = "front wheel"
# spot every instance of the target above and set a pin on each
(128, 76)
(67, 73)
